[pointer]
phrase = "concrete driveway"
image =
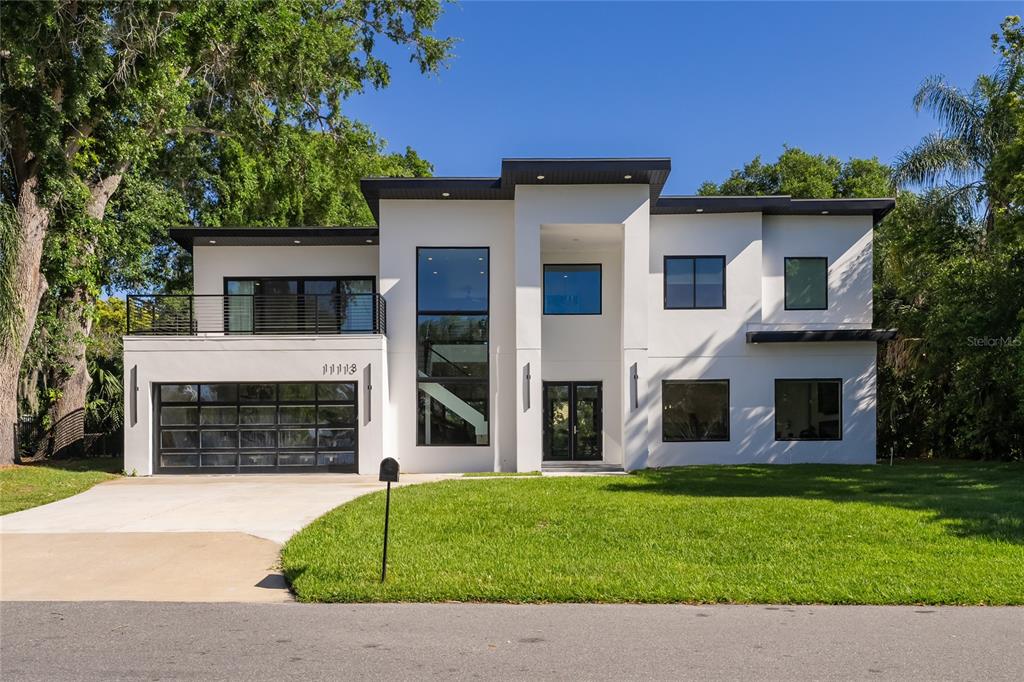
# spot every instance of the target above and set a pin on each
(168, 538)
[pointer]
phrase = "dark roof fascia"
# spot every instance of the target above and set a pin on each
(643, 171)
(800, 336)
(773, 205)
(186, 237)
(375, 189)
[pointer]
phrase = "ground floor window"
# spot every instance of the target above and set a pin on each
(696, 410)
(808, 409)
(256, 426)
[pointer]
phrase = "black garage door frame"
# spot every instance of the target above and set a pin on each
(188, 401)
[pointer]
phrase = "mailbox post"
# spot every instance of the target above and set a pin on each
(389, 473)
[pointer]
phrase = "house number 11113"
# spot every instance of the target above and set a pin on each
(332, 368)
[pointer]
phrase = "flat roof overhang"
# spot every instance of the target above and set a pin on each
(188, 237)
(610, 171)
(818, 335)
(877, 208)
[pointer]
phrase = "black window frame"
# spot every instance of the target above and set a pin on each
(728, 411)
(300, 308)
(600, 287)
(775, 408)
(486, 381)
(239, 451)
(785, 281)
(664, 280)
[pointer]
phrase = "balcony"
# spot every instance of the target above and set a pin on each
(247, 315)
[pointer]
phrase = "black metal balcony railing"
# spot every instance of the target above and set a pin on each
(188, 314)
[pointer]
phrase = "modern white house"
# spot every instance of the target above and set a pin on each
(564, 313)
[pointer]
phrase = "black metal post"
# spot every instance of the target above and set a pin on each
(387, 515)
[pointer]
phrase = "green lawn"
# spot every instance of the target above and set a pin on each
(499, 474)
(928, 533)
(30, 485)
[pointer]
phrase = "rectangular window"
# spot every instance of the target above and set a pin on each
(696, 410)
(694, 282)
(806, 283)
(452, 346)
(572, 289)
(808, 409)
(267, 305)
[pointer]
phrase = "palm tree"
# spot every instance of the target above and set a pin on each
(974, 124)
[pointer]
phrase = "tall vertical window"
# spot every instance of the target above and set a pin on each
(808, 409)
(452, 352)
(694, 282)
(806, 283)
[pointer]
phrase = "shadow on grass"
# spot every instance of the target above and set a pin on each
(110, 465)
(974, 499)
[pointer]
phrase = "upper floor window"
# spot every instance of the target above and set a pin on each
(452, 357)
(806, 283)
(694, 282)
(288, 305)
(808, 409)
(694, 410)
(572, 289)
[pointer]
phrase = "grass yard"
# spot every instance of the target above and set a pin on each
(29, 485)
(499, 474)
(915, 533)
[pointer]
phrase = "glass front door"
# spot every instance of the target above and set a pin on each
(572, 420)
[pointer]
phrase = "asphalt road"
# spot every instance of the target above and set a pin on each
(158, 641)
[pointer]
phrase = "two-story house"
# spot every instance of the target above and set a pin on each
(563, 312)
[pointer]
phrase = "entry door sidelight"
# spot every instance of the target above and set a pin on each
(572, 420)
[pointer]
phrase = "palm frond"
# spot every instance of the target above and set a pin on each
(960, 113)
(933, 159)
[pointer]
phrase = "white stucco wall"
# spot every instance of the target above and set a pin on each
(407, 225)
(847, 243)
(211, 264)
(198, 359)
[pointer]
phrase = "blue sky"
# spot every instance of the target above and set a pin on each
(709, 85)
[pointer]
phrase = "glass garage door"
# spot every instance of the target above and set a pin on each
(227, 428)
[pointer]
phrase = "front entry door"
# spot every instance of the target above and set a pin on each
(572, 420)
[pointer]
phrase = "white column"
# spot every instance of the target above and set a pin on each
(529, 411)
(636, 388)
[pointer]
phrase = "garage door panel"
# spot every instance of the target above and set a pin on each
(254, 427)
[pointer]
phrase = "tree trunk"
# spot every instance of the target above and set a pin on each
(69, 410)
(30, 285)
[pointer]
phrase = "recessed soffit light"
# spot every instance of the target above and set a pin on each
(540, 177)
(369, 241)
(627, 177)
(446, 194)
(824, 213)
(296, 241)
(700, 210)
(213, 241)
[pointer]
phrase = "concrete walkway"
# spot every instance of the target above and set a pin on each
(168, 538)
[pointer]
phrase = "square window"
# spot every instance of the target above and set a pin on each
(338, 392)
(218, 415)
(179, 393)
(179, 416)
(694, 282)
(695, 410)
(218, 393)
(452, 279)
(452, 413)
(806, 283)
(293, 392)
(572, 289)
(808, 409)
